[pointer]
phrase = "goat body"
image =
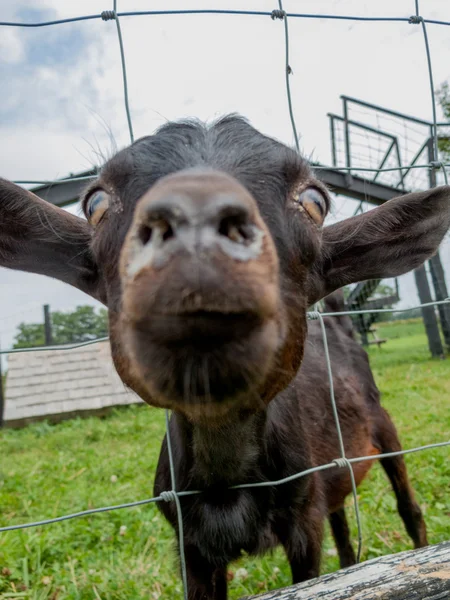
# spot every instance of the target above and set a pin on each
(296, 432)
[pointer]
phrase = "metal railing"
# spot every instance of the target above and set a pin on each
(428, 149)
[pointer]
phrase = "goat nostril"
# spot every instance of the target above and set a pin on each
(162, 227)
(145, 234)
(167, 232)
(236, 229)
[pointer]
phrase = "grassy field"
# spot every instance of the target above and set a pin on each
(46, 471)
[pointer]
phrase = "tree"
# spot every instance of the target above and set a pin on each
(382, 290)
(443, 96)
(81, 325)
(29, 335)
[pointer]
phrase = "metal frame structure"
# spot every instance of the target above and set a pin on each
(355, 183)
(67, 191)
(435, 263)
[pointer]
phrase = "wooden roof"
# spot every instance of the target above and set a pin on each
(62, 384)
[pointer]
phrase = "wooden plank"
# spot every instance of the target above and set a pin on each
(382, 302)
(415, 575)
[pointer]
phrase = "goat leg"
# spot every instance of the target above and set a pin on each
(395, 469)
(341, 535)
(301, 536)
(205, 581)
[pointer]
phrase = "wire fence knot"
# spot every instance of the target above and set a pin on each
(437, 164)
(416, 19)
(108, 15)
(169, 496)
(342, 462)
(278, 14)
(313, 315)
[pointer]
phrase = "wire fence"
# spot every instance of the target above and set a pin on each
(174, 495)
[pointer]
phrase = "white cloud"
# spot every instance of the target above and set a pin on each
(11, 46)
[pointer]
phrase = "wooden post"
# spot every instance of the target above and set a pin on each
(428, 314)
(48, 326)
(415, 575)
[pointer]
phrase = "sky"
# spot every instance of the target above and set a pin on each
(62, 107)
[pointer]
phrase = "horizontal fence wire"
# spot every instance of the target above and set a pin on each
(57, 347)
(310, 315)
(105, 15)
(182, 494)
(342, 461)
(338, 462)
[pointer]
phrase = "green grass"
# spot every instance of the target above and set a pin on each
(46, 471)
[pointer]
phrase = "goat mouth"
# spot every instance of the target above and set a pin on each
(203, 359)
(201, 329)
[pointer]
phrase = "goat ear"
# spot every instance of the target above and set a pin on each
(385, 242)
(37, 237)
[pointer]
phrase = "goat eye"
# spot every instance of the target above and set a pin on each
(96, 206)
(314, 202)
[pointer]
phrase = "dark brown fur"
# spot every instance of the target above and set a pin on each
(295, 433)
(208, 259)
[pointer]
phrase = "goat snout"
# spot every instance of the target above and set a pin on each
(193, 214)
(201, 316)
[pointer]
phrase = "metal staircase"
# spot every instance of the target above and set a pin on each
(360, 299)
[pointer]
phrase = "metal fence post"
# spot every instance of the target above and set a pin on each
(440, 288)
(333, 141)
(436, 268)
(347, 135)
(48, 326)
(428, 314)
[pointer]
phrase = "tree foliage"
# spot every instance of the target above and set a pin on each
(81, 325)
(443, 96)
(382, 290)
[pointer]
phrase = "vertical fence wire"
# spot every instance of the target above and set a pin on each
(174, 496)
(416, 19)
(281, 14)
(343, 461)
(115, 16)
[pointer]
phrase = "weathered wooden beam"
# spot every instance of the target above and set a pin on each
(415, 575)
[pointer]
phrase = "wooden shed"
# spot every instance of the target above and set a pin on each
(59, 384)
